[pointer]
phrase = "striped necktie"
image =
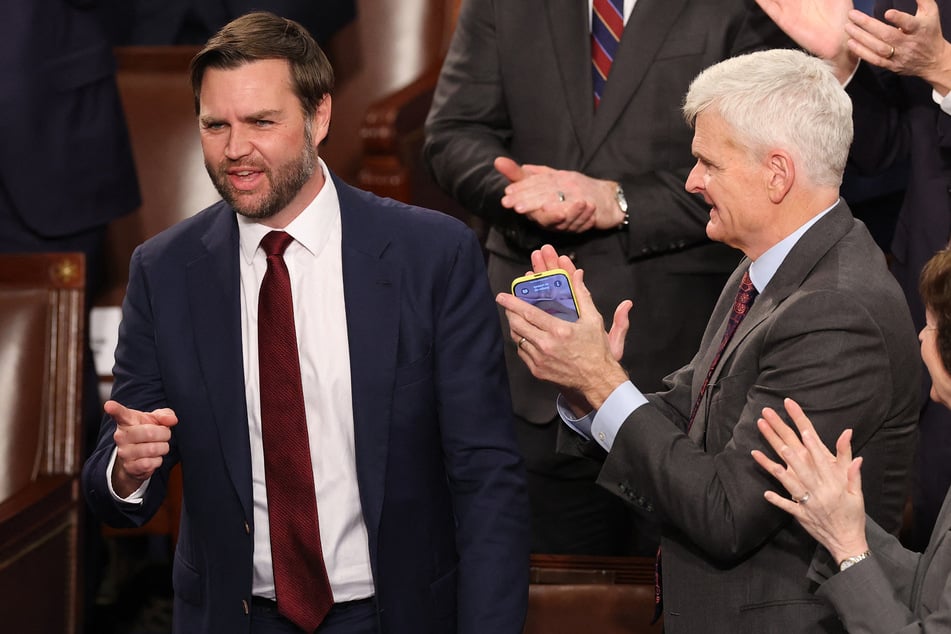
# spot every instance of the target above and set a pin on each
(607, 23)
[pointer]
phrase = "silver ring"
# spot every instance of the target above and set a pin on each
(891, 53)
(805, 498)
(561, 197)
(521, 341)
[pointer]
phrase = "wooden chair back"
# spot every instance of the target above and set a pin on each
(42, 321)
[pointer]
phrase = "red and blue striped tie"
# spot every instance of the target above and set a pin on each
(607, 22)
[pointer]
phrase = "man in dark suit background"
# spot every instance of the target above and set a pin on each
(66, 166)
(401, 391)
(606, 187)
(160, 22)
(902, 110)
(817, 317)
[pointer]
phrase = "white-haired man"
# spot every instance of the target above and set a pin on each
(811, 312)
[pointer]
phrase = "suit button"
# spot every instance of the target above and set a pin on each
(244, 604)
(247, 528)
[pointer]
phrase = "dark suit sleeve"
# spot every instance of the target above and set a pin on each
(714, 496)
(137, 386)
(61, 120)
(874, 596)
(468, 125)
(484, 467)
(882, 136)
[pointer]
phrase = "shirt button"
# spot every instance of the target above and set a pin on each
(601, 435)
(244, 604)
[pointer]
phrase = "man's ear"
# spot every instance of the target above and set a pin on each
(321, 120)
(780, 174)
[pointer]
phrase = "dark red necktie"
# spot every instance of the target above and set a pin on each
(741, 305)
(303, 590)
(607, 23)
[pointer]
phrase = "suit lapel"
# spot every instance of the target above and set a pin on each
(372, 297)
(649, 26)
(800, 261)
(214, 302)
(719, 316)
(571, 40)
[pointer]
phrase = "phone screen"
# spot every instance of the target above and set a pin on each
(549, 291)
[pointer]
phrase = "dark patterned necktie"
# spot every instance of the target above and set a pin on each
(741, 305)
(607, 23)
(303, 590)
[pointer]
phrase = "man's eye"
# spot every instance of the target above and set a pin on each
(263, 123)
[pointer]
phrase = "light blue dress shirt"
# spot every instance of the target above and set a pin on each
(602, 425)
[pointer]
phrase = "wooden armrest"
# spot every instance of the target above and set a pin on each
(391, 162)
(578, 593)
(31, 505)
(590, 569)
(390, 126)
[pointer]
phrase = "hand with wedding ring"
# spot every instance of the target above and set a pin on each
(560, 200)
(905, 44)
(579, 357)
(830, 484)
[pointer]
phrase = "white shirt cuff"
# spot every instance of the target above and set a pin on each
(943, 102)
(136, 496)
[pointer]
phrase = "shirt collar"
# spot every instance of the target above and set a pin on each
(312, 228)
(764, 268)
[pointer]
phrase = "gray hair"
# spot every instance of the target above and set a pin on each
(780, 98)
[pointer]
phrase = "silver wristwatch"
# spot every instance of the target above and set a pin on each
(851, 561)
(622, 205)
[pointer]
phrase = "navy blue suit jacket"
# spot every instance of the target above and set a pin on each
(65, 159)
(441, 481)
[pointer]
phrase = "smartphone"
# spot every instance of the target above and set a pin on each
(551, 291)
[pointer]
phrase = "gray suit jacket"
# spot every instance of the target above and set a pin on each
(896, 590)
(832, 331)
(517, 82)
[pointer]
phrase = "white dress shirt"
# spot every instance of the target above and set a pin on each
(628, 7)
(314, 262)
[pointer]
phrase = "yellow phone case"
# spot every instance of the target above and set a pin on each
(544, 290)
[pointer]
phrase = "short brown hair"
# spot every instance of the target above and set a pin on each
(262, 35)
(935, 289)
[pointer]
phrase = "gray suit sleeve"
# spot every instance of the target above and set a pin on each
(714, 493)
(468, 125)
(875, 595)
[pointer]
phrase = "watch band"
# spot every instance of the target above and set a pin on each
(622, 205)
(851, 561)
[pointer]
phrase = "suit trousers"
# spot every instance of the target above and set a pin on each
(352, 617)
